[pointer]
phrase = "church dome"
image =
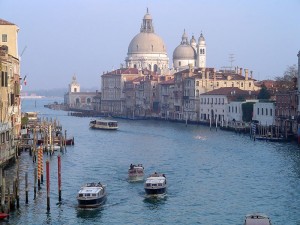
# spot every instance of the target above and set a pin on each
(147, 43)
(184, 52)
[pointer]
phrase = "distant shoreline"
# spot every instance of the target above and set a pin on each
(32, 96)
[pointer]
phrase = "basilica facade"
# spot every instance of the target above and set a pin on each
(147, 50)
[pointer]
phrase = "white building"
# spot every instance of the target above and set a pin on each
(75, 99)
(190, 54)
(224, 104)
(264, 113)
(147, 49)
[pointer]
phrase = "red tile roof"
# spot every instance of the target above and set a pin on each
(4, 22)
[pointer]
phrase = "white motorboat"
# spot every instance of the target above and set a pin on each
(156, 184)
(104, 124)
(257, 219)
(136, 172)
(91, 195)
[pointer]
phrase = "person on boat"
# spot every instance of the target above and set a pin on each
(131, 166)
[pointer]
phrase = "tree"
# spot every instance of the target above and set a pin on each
(288, 81)
(263, 93)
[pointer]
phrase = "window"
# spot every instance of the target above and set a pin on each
(262, 111)
(179, 63)
(4, 37)
(266, 112)
(257, 111)
(229, 108)
(270, 112)
(197, 83)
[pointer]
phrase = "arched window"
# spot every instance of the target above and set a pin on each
(179, 63)
(149, 67)
(134, 66)
(88, 101)
(77, 101)
(155, 68)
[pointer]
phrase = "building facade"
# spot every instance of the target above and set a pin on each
(10, 104)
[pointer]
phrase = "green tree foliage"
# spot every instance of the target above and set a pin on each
(247, 109)
(263, 93)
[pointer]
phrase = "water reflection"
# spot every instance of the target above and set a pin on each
(155, 202)
(89, 213)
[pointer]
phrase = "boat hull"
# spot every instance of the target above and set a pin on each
(158, 191)
(90, 203)
(136, 177)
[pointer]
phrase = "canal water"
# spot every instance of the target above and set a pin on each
(214, 177)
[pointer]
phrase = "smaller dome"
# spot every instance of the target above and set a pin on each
(184, 52)
(193, 40)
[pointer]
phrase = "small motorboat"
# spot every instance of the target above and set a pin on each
(136, 172)
(257, 219)
(91, 195)
(156, 184)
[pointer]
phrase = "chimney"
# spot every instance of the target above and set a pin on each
(207, 74)
(251, 72)
(241, 71)
(246, 74)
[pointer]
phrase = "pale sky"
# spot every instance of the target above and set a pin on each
(87, 37)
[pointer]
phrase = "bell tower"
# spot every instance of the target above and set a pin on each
(74, 86)
(201, 52)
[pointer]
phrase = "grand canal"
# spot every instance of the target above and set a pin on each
(214, 177)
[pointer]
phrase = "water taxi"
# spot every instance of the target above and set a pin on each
(257, 219)
(136, 172)
(91, 195)
(104, 124)
(156, 184)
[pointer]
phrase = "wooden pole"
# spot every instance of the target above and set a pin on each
(35, 179)
(48, 184)
(3, 194)
(26, 188)
(59, 177)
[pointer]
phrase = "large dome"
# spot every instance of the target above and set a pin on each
(147, 43)
(184, 52)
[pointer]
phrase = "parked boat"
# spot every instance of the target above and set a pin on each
(156, 184)
(257, 219)
(104, 124)
(136, 172)
(91, 195)
(3, 216)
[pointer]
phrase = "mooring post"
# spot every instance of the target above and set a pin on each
(26, 188)
(3, 194)
(48, 184)
(59, 177)
(35, 179)
(8, 201)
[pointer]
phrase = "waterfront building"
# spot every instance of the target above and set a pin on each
(188, 54)
(166, 98)
(147, 49)
(78, 100)
(215, 105)
(10, 102)
(264, 112)
(286, 111)
(113, 96)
